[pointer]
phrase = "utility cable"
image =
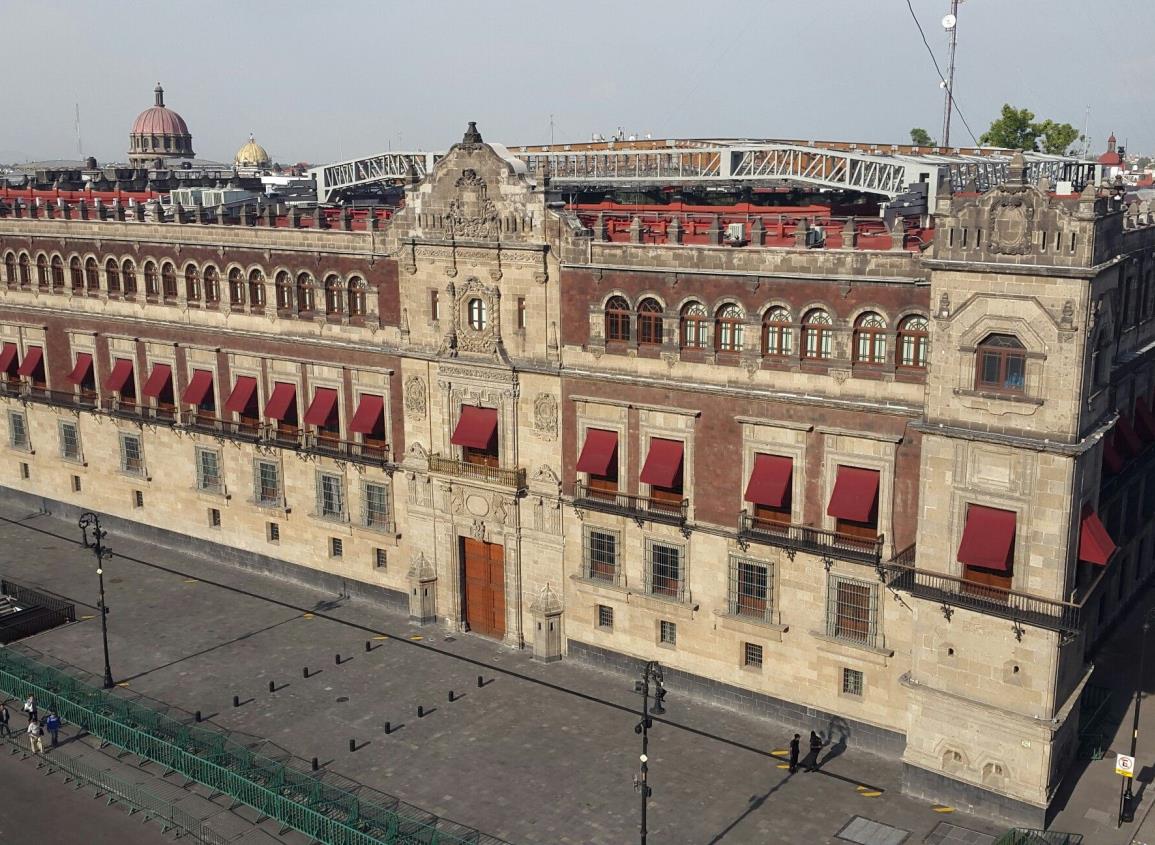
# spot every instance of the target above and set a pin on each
(941, 75)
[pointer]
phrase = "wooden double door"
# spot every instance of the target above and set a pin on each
(483, 587)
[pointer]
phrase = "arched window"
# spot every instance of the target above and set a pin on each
(284, 286)
(76, 273)
(236, 287)
(1001, 364)
(356, 296)
(256, 289)
(128, 277)
(870, 339)
(112, 275)
(476, 314)
(305, 294)
(650, 322)
(913, 342)
(10, 269)
(729, 325)
(695, 325)
(192, 283)
(168, 281)
(57, 273)
(151, 281)
(25, 271)
(817, 335)
(333, 295)
(42, 271)
(212, 285)
(777, 334)
(617, 320)
(91, 276)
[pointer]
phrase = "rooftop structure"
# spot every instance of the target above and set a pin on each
(159, 133)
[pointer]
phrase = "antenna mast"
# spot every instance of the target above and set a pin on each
(79, 146)
(950, 23)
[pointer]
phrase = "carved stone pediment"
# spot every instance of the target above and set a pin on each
(1011, 222)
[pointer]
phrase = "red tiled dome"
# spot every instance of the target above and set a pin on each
(159, 133)
(159, 120)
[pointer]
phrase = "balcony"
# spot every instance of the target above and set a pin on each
(198, 422)
(478, 472)
(638, 507)
(345, 450)
(803, 538)
(82, 401)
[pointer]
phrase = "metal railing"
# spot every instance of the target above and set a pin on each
(330, 809)
(804, 538)
(83, 401)
(625, 504)
(507, 477)
(28, 611)
(345, 450)
(1025, 836)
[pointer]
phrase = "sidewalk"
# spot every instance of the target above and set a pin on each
(539, 754)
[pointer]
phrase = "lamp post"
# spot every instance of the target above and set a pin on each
(90, 521)
(1127, 799)
(652, 674)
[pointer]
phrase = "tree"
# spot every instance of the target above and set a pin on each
(921, 138)
(1016, 129)
(1058, 137)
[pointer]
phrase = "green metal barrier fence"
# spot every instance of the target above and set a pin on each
(1022, 836)
(331, 809)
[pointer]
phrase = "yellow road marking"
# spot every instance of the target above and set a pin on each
(380, 638)
(778, 751)
(88, 616)
(939, 808)
(417, 637)
(191, 581)
(784, 765)
(123, 684)
(306, 616)
(870, 793)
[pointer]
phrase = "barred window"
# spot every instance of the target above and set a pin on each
(336, 547)
(851, 682)
(380, 559)
(605, 617)
(330, 496)
(851, 609)
(750, 589)
(69, 441)
(131, 457)
(375, 510)
(272, 532)
(214, 518)
(667, 632)
(17, 430)
(600, 549)
(266, 483)
(664, 570)
(208, 469)
(752, 655)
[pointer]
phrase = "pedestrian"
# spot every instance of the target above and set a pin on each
(794, 745)
(815, 750)
(30, 708)
(52, 725)
(34, 736)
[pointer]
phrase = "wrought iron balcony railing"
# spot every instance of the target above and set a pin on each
(804, 538)
(624, 504)
(346, 450)
(82, 401)
(514, 477)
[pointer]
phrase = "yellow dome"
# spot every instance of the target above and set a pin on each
(251, 154)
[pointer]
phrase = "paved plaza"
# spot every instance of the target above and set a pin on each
(538, 754)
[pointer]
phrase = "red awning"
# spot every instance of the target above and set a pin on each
(1111, 457)
(988, 540)
(82, 368)
(1095, 544)
(1125, 435)
(1145, 419)
(769, 480)
(370, 412)
(242, 394)
(321, 408)
(160, 376)
(198, 387)
(32, 359)
(7, 357)
(284, 394)
(476, 429)
(663, 465)
(120, 375)
(598, 451)
(855, 495)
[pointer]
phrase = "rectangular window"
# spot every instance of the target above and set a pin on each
(137, 499)
(17, 430)
(214, 518)
(69, 441)
(131, 458)
(272, 532)
(605, 617)
(600, 554)
(852, 682)
(375, 510)
(330, 497)
(752, 655)
(521, 313)
(208, 470)
(434, 305)
(76, 484)
(667, 633)
(267, 483)
(851, 609)
(750, 589)
(664, 570)
(380, 559)
(336, 547)
(25, 471)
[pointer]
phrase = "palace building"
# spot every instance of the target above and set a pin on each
(891, 481)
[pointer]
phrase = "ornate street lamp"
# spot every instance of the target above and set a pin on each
(652, 674)
(90, 521)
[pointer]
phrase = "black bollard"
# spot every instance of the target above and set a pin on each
(315, 764)
(420, 712)
(272, 686)
(480, 682)
(451, 696)
(368, 646)
(197, 716)
(305, 672)
(388, 728)
(352, 745)
(337, 659)
(236, 701)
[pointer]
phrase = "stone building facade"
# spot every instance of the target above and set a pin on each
(858, 489)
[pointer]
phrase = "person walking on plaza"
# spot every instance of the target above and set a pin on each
(815, 750)
(30, 708)
(794, 745)
(52, 725)
(4, 716)
(34, 736)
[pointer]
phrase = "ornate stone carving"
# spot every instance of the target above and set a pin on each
(415, 397)
(500, 513)
(546, 602)
(944, 306)
(545, 416)
(1067, 321)
(420, 569)
(545, 477)
(1011, 223)
(478, 329)
(477, 530)
(473, 214)
(469, 179)
(840, 376)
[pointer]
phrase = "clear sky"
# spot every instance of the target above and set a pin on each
(322, 81)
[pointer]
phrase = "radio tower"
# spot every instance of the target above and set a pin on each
(950, 24)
